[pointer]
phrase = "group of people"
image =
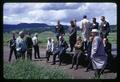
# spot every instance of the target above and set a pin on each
(93, 43)
(21, 44)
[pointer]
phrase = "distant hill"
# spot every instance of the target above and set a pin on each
(9, 27)
(37, 27)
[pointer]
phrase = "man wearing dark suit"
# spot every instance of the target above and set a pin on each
(95, 24)
(104, 28)
(59, 30)
(12, 46)
(29, 44)
(72, 35)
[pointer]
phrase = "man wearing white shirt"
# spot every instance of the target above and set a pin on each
(36, 46)
(21, 45)
(85, 28)
(49, 50)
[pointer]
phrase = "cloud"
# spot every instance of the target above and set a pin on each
(49, 13)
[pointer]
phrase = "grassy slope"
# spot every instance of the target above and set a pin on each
(43, 37)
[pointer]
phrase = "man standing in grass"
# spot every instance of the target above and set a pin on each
(29, 44)
(36, 46)
(12, 46)
(21, 45)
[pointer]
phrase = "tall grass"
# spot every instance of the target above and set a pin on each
(25, 69)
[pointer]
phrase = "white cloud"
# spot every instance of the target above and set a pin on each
(15, 13)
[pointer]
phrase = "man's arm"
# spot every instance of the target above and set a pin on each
(108, 27)
(95, 46)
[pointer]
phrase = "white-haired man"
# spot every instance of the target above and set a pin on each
(36, 46)
(21, 45)
(98, 55)
(49, 50)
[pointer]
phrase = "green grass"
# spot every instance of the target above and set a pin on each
(44, 35)
(25, 69)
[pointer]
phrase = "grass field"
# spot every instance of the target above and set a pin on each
(25, 69)
(44, 35)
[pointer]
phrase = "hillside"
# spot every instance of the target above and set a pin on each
(38, 27)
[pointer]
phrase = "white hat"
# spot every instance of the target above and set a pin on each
(95, 30)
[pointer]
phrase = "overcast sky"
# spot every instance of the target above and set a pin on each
(49, 13)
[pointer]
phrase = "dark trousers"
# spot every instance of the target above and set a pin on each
(72, 43)
(11, 52)
(85, 45)
(36, 51)
(60, 54)
(103, 35)
(76, 58)
(57, 36)
(89, 66)
(48, 53)
(98, 73)
(29, 53)
(21, 54)
(54, 57)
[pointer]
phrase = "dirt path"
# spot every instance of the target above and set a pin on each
(76, 74)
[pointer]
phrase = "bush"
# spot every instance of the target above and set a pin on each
(25, 69)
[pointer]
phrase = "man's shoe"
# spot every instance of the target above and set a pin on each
(71, 67)
(76, 68)
(53, 64)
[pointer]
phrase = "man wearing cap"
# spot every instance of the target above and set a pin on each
(98, 55)
(36, 46)
(29, 44)
(85, 28)
(21, 45)
(59, 30)
(12, 46)
(104, 28)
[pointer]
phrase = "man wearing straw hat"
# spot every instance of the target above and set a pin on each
(98, 55)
